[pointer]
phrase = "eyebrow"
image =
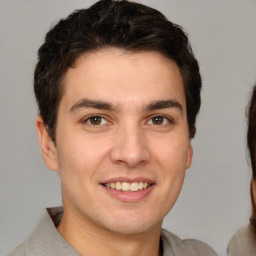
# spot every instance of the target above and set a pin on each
(161, 104)
(98, 104)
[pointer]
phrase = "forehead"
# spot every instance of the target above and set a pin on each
(117, 75)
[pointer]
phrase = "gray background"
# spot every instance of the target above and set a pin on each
(215, 198)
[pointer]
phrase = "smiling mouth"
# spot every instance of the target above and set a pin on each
(128, 187)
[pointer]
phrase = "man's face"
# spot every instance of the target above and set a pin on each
(122, 141)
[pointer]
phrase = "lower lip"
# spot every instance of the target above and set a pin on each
(129, 197)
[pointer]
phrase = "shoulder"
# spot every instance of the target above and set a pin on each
(19, 251)
(34, 244)
(243, 242)
(188, 247)
(45, 239)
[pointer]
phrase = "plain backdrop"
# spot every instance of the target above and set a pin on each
(215, 198)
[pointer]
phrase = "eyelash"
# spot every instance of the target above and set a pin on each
(87, 119)
(164, 119)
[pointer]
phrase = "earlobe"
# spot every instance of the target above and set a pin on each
(48, 147)
(190, 156)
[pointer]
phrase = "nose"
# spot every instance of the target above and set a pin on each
(130, 147)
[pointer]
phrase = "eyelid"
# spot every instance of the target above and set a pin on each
(168, 118)
(85, 119)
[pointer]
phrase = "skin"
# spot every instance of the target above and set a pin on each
(254, 189)
(133, 138)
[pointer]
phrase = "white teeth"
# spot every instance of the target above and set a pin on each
(118, 186)
(134, 186)
(126, 186)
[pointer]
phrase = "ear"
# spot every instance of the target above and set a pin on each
(190, 156)
(48, 147)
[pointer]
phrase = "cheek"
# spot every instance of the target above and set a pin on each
(81, 155)
(171, 157)
(172, 153)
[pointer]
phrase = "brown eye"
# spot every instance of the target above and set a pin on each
(158, 120)
(96, 120)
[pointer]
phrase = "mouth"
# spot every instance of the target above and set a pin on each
(128, 190)
(128, 186)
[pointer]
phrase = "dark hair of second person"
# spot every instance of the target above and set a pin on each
(251, 143)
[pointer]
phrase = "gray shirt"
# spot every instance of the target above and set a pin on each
(243, 242)
(46, 241)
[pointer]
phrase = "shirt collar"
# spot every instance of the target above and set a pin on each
(52, 243)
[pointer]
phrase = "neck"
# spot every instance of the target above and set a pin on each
(91, 240)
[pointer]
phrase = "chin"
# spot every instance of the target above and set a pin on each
(130, 229)
(132, 225)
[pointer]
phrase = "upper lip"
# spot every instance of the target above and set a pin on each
(129, 180)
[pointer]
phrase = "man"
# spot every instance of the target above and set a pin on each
(118, 90)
